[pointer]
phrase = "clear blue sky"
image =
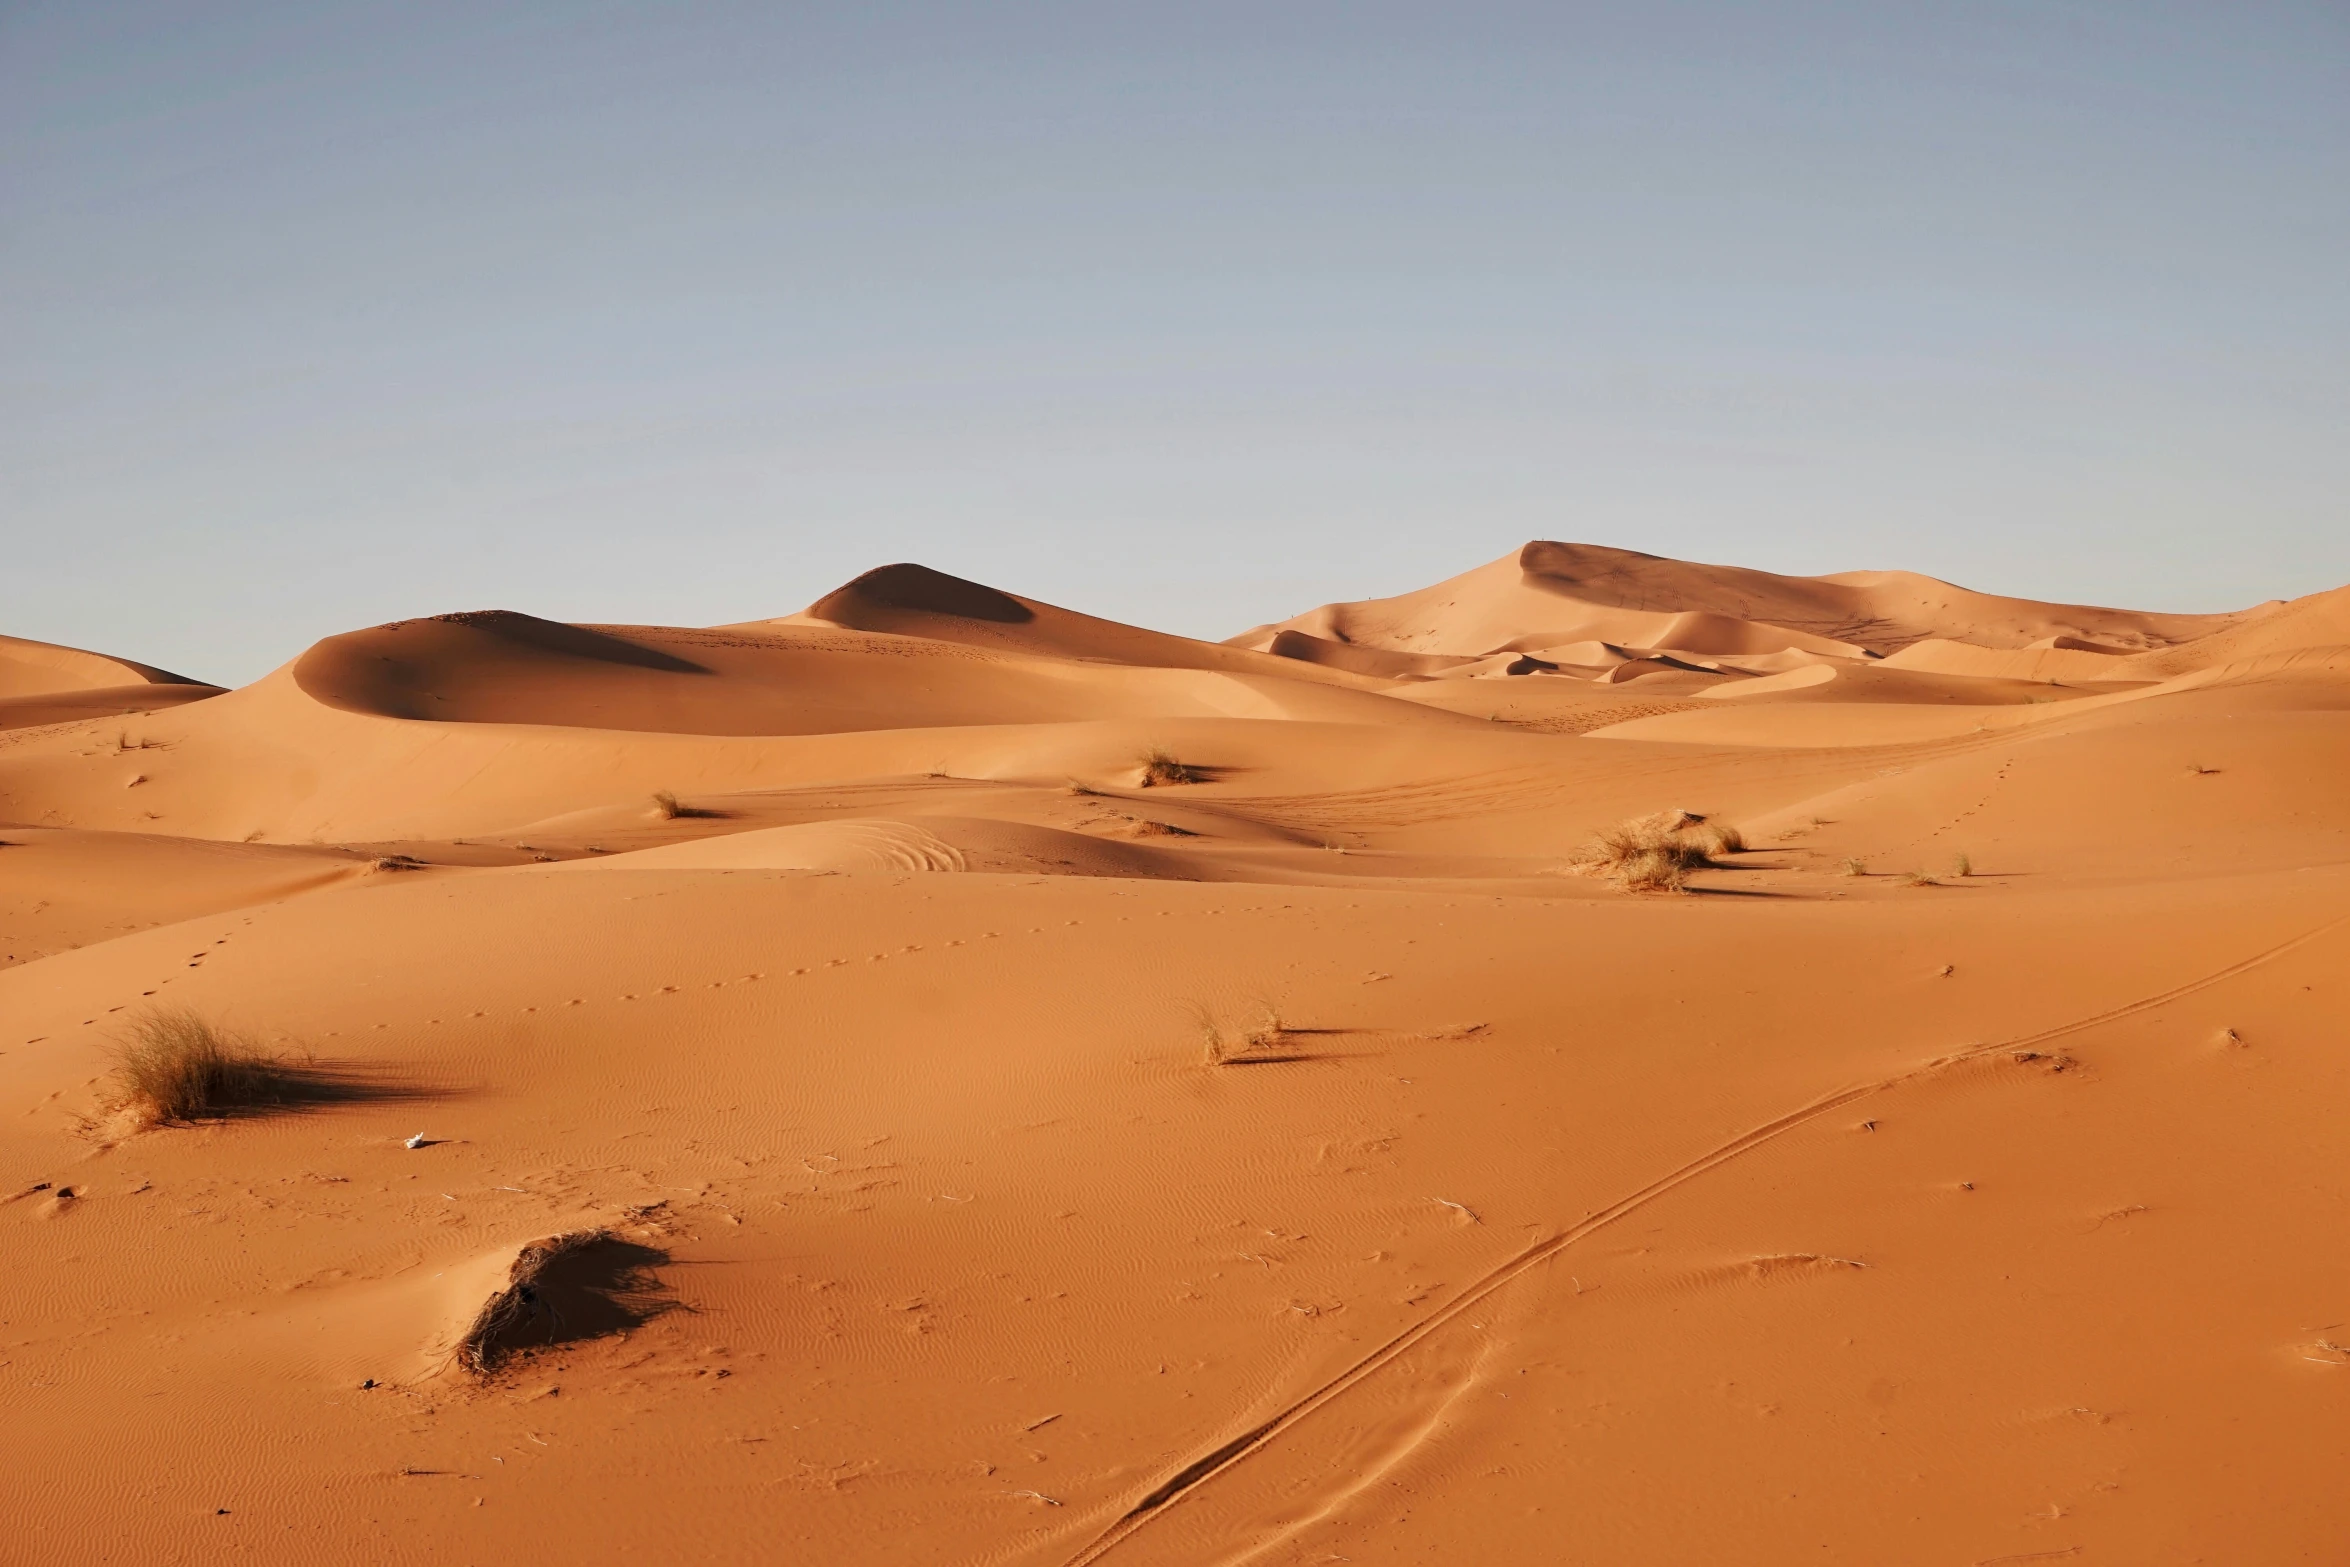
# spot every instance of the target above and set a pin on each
(317, 314)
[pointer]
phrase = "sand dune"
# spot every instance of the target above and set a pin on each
(45, 669)
(41, 683)
(915, 601)
(943, 1078)
(1549, 593)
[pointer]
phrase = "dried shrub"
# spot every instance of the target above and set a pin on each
(1160, 767)
(1656, 853)
(577, 1285)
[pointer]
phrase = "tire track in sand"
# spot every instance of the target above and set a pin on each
(1214, 1462)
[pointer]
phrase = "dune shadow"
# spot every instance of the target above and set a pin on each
(567, 1289)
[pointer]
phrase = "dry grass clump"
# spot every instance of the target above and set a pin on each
(178, 1067)
(1721, 838)
(1962, 865)
(1856, 867)
(395, 862)
(1160, 767)
(1224, 1049)
(1918, 879)
(666, 807)
(1657, 853)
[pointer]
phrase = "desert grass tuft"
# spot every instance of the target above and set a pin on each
(1270, 1030)
(1962, 865)
(1856, 867)
(1656, 853)
(1216, 1045)
(1223, 1048)
(177, 1066)
(1160, 767)
(1720, 838)
(667, 807)
(1918, 879)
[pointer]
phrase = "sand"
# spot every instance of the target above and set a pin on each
(804, 1027)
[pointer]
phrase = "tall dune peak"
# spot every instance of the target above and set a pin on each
(910, 588)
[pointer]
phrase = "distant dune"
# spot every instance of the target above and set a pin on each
(1600, 1058)
(1551, 595)
(41, 683)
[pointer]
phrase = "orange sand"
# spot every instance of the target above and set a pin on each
(1804, 1217)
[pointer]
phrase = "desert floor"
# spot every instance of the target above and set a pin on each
(977, 1149)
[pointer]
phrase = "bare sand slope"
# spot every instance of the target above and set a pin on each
(931, 1135)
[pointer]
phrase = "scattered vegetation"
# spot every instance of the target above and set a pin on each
(395, 862)
(667, 807)
(1918, 879)
(1160, 767)
(1962, 865)
(1150, 829)
(1856, 867)
(1657, 853)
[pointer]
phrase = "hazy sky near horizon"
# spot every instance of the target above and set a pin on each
(318, 314)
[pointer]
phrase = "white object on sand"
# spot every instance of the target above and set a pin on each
(419, 1141)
